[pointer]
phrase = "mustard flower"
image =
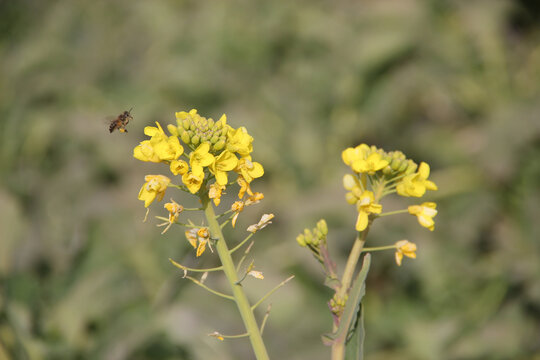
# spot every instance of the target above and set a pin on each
(366, 206)
(179, 167)
(265, 220)
(249, 169)
(169, 148)
(239, 141)
(244, 187)
(193, 180)
(154, 187)
(373, 163)
(351, 155)
(226, 161)
(425, 214)
(174, 210)
(354, 186)
(215, 192)
(200, 158)
(405, 247)
(237, 207)
(198, 238)
(416, 184)
(256, 274)
(160, 147)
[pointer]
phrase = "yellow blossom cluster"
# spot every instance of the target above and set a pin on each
(202, 154)
(377, 173)
(210, 151)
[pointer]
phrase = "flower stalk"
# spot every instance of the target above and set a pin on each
(239, 295)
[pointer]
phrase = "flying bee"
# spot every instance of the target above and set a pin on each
(121, 121)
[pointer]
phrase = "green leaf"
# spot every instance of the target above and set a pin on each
(348, 328)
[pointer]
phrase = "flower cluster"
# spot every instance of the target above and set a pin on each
(203, 153)
(377, 173)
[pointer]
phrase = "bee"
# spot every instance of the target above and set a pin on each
(121, 121)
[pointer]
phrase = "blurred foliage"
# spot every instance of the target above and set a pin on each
(453, 83)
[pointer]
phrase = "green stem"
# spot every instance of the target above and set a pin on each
(393, 212)
(338, 347)
(378, 248)
(238, 292)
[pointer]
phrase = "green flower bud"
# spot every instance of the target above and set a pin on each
(210, 123)
(323, 227)
(308, 236)
(301, 240)
(185, 137)
(195, 140)
(186, 124)
(219, 145)
(214, 139)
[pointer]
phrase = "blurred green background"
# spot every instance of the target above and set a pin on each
(452, 83)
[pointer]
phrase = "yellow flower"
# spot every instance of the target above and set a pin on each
(193, 180)
(352, 184)
(350, 155)
(237, 208)
(256, 274)
(254, 198)
(365, 207)
(215, 193)
(244, 187)
(179, 167)
(370, 165)
(169, 148)
(198, 238)
(425, 214)
(154, 187)
(200, 158)
(265, 220)
(239, 141)
(174, 210)
(160, 147)
(405, 247)
(249, 170)
(416, 184)
(226, 161)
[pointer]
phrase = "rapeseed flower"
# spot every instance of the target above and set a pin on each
(416, 184)
(425, 214)
(200, 158)
(366, 206)
(404, 247)
(226, 161)
(154, 187)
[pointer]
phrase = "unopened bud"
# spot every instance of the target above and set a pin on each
(323, 227)
(185, 137)
(301, 240)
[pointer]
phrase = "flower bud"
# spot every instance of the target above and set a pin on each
(323, 227)
(301, 239)
(195, 140)
(219, 145)
(308, 236)
(185, 137)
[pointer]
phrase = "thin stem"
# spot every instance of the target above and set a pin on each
(209, 289)
(266, 317)
(378, 248)
(271, 292)
(221, 336)
(338, 348)
(178, 223)
(244, 256)
(238, 292)
(180, 266)
(241, 243)
(393, 212)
